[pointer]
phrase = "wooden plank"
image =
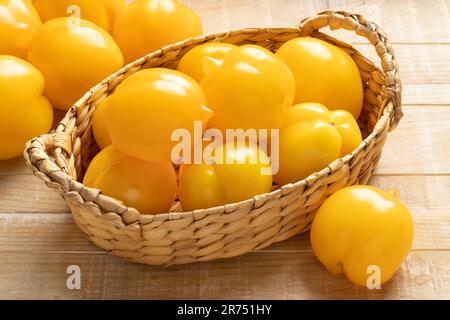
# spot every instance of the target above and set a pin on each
(412, 22)
(418, 192)
(424, 275)
(420, 144)
(26, 193)
(49, 232)
(418, 63)
(58, 233)
(426, 94)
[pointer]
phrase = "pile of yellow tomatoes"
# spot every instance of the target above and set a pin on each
(306, 98)
(226, 87)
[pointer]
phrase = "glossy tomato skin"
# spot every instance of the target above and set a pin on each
(145, 186)
(323, 73)
(361, 226)
(348, 128)
(148, 107)
(148, 25)
(101, 12)
(196, 61)
(306, 112)
(73, 59)
(99, 128)
(238, 177)
(18, 24)
(306, 147)
(24, 111)
(250, 89)
(342, 120)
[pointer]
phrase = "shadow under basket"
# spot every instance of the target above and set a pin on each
(61, 158)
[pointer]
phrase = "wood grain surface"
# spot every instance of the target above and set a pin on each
(38, 239)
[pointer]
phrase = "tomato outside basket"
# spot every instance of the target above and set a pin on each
(61, 158)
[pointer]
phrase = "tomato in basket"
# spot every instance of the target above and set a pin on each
(306, 147)
(341, 119)
(145, 186)
(250, 89)
(323, 73)
(197, 61)
(236, 173)
(148, 108)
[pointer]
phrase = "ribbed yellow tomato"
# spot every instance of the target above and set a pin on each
(196, 61)
(323, 73)
(341, 119)
(145, 186)
(100, 130)
(148, 107)
(306, 147)
(101, 12)
(362, 231)
(147, 25)
(241, 173)
(250, 88)
(18, 23)
(24, 111)
(73, 58)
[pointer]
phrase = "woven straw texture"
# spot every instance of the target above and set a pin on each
(61, 158)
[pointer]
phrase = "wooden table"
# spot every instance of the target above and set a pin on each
(38, 239)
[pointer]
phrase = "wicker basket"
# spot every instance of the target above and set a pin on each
(61, 158)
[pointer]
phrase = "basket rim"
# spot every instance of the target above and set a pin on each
(389, 104)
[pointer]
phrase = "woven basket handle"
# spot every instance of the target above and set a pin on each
(376, 36)
(54, 170)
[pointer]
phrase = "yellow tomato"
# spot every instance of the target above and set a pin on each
(361, 230)
(24, 111)
(145, 186)
(195, 61)
(148, 107)
(323, 73)
(241, 173)
(99, 129)
(148, 25)
(306, 147)
(18, 23)
(306, 112)
(73, 58)
(341, 119)
(348, 128)
(101, 12)
(251, 88)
